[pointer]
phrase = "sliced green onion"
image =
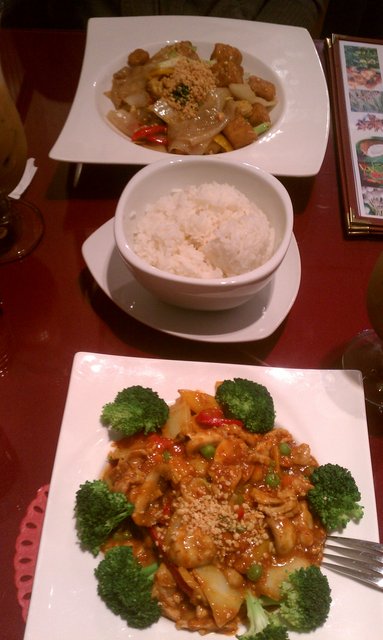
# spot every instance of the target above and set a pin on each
(261, 128)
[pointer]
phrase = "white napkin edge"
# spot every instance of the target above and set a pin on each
(27, 177)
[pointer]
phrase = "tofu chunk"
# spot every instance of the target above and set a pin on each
(239, 132)
(262, 88)
(259, 114)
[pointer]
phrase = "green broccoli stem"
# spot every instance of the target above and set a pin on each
(262, 625)
(149, 570)
(303, 606)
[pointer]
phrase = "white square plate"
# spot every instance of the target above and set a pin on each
(297, 140)
(323, 408)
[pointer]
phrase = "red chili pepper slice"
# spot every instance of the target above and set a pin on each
(157, 139)
(240, 512)
(163, 444)
(211, 412)
(214, 417)
(178, 449)
(167, 509)
(160, 442)
(151, 133)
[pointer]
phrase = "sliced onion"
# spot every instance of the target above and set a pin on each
(224, 600)
(166, 64)
(222, 95)
(242, 91)
(164, 111)
(139, 99)
(193, 136)
(266, 103)
(123, 121)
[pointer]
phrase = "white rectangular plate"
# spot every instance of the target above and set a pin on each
(297, 140)
(323, 408)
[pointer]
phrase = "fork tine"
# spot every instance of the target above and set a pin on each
(360, 554)
(358, 565)
(358, 559)
(358, 544)
(370, 578)
(359, 576)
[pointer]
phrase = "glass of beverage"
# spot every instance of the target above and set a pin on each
(21, 223)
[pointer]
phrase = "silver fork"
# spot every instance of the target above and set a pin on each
(358, 559)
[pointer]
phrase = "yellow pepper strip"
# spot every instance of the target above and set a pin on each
(161, 71)
(223, 142)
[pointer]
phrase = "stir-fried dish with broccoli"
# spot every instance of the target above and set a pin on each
(211, 515)
(175, 101)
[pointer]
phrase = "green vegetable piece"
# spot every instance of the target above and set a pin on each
(335, 496)
(247, 401)
(254, 572)
(208, 451)
(98, 511)
(261, 624)
(284, 449)
(125, 586)
(259, 129)
(181, 94)
(304, 606)
(306, 599)
(272, 479)
(135, 409)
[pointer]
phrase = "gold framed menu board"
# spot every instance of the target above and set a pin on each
(356, 88)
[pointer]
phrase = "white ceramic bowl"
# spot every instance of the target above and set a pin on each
(159, 179)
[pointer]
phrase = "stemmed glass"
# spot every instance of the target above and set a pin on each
(21, 223)
(365, 351)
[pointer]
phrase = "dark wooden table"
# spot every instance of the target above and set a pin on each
(52, 307)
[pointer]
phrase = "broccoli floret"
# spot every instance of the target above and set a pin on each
(305, 599)
(334, 497)
(98, 512)
(247, 401)
(126, 587)
(261, 624)
(135, 409)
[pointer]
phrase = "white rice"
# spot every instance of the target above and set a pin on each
(206, 231)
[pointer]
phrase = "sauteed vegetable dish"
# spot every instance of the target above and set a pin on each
(174, 101)
(206, 509)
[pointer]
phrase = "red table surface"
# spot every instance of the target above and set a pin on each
(52, 307)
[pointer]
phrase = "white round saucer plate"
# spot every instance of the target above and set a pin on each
(255, 320)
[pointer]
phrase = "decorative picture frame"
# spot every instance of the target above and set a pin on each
(356, 90)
